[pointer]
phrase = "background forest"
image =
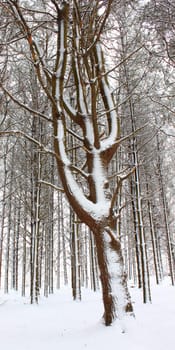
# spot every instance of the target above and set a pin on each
(43, 242)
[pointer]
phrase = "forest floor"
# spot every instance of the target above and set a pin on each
(60, 323)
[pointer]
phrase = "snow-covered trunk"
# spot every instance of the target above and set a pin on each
(116, 297)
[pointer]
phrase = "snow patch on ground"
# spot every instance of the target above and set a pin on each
(60, 323)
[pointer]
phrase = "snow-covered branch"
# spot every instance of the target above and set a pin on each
(112, 116)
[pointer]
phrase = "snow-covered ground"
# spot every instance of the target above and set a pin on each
(60, 323)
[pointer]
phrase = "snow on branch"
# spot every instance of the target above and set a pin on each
(108, 102)
(96, 210)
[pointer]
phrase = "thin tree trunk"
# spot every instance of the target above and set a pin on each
(76, 286)
(93, 270)
(51, 229)
(9, 227)
(46, 274)
(85, 260)
(13, 271)
(64, 250)
(37, 233)
(165, 210)
(17, 247)
(60, 199)
(24, 237)
(153, 238)
(3, 215)
(136, 236)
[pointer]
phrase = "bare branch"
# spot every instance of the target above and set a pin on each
(163, 105)
(42, 182)
(118, 187)
(74, 135)
(29, 138)
(124, 138)
(36, 113)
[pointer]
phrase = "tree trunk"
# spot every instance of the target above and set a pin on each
(165, 216)
(75, 261)
(115, 292)
(93, 267)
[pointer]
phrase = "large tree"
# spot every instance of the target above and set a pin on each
(63, 41)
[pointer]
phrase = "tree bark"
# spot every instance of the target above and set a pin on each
(116, 297)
